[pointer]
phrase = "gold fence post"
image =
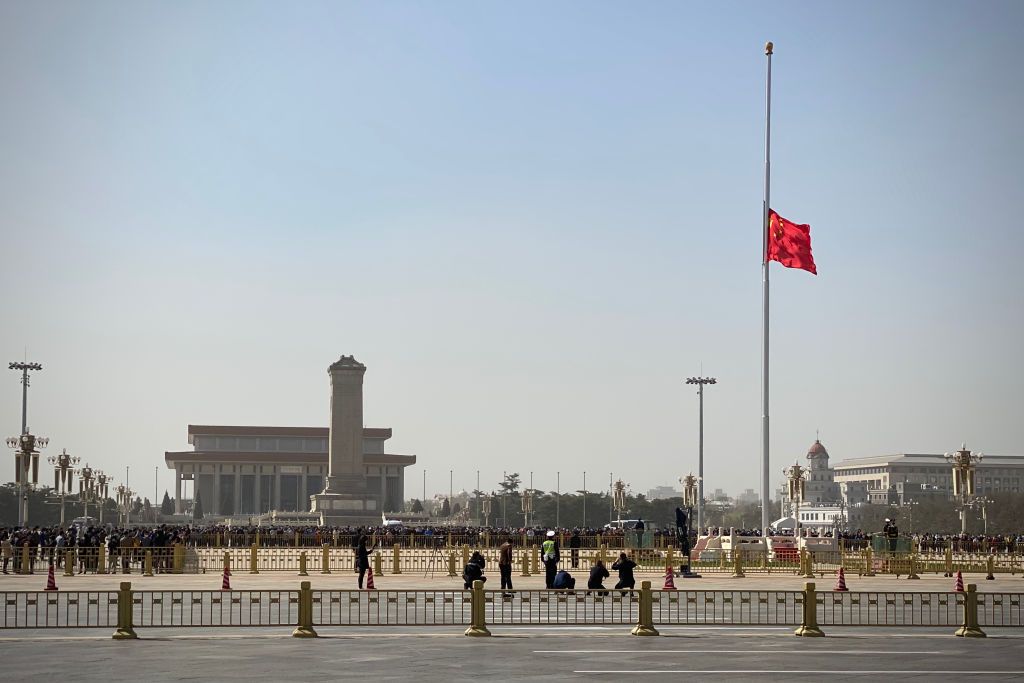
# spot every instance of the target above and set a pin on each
(124, 631)
(949, 559)
(378, 564)
(809, 623)
(178, 566)
(808, 564)
(302, 564)
(325, 562)
(101, 560)
(396, 562)
(218, 539)
(257, 538)
(912, 574)
(451, 564)
(990, 565)
(26, 566)
(869, 563)
(670, 559)
(478, 622)
(147, 567)
(535, 561)
(526, 564)
(253, 560)
(465, 555)
(645, 613)
(970, 629)
(304, 629)
(69, 563)
(737, 564)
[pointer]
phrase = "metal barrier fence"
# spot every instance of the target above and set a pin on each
(397, 560)
(306, 609)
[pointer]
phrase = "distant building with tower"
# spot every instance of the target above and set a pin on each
(341, 472)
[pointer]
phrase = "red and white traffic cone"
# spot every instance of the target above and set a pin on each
(51, 583)
(225, 585)
(959, 588)
(841, 583)
(369, 580)
(670, 582)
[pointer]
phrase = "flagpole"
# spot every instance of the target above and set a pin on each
(765, 481)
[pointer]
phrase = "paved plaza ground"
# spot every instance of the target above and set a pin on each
(241, 580)
(526, 653)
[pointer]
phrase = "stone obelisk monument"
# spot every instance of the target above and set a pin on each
(345, 499)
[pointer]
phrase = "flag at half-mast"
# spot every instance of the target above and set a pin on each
(789, 243)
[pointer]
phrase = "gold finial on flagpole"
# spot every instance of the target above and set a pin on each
(768, 47)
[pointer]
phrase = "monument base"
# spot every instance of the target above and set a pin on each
(346, 509)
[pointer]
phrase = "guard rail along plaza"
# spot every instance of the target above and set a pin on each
(305, 609)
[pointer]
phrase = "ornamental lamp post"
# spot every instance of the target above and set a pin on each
(527, 504)
(797, 478)
(63, 476)
(86, 487)
(485, 507)
(102, 491)
(124, 502)
(963, 463)
(26, 468)
(619, 500)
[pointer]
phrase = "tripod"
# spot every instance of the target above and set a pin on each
(432, 561)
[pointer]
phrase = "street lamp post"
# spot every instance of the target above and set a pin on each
(963, 463)
(527, 505)
(86, 487)
(619, 500)
(26, 468)
(584, 499)
(797, 478)
(700, 382)
(124, 501)
(486, 509)
(102, 491)
(689, 483)
(63, 476)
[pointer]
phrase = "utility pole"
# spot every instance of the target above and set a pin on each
(700, 382)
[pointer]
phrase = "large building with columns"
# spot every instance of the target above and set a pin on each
(242, 471)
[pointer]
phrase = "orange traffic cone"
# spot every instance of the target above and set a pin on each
(841, 583)
(225, 585)
(959, 588)
(51, 583)
(670, 582)
(369, 580)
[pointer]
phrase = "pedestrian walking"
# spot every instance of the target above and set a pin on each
(362, 559)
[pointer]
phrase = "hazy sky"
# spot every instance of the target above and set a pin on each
(531, 221)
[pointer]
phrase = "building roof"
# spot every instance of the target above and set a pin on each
(923, 459)
(285, 458)
(311, 432)
(816, 449)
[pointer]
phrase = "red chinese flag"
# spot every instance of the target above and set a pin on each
(790, 243)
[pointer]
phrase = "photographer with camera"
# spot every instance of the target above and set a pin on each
(474, 570)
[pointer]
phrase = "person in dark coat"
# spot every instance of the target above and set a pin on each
(564, 581)
(598, 573)
(474, 570)
(625, 566)
(574, 548)
(362, 559)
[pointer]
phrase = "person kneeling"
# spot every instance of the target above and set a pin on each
(625, 566)
(598, 573)
(474, 571)
(564, 581)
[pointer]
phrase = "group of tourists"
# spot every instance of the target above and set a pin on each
(554, 578)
